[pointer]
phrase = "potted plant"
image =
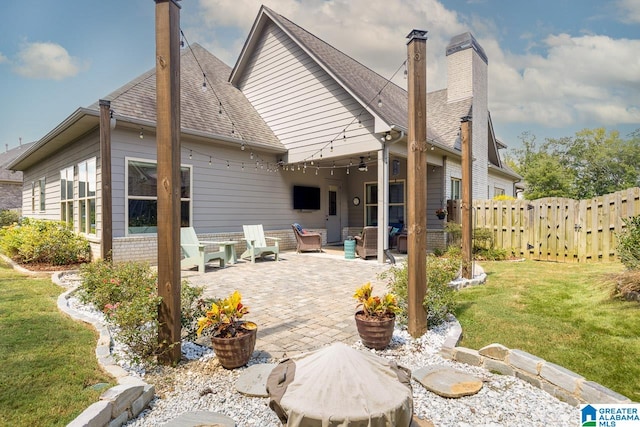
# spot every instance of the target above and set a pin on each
(376, 320)
(233, 339)
(441, 213)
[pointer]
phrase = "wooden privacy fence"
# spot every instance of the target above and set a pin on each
(557, 229)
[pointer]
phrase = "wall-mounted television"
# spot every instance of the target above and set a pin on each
(306, 198)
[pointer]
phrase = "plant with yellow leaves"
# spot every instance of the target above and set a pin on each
(223, 319)
(374, 306)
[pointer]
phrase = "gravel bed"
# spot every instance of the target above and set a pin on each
(199, 382)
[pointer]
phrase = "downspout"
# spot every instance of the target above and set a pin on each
(383, 194)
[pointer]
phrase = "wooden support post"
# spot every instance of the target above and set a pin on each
(168, 184)
(467, 199)
(417, 182)
(106, 238)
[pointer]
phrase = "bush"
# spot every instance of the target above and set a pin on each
(8, 217)
(439, 299)
(482, 239)
(127, 293)
(629, 243)
(35, 241)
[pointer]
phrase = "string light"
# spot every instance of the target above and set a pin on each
(204, 83)
(242, 145)
(141, 134)
(190, 154)
(228, 166)
(251, 155)
(379, 102)
(209, 160)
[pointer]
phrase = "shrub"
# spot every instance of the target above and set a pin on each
(626, 285)
(482, 239)
(127, 294)
(35, 241)
(629, 243)
(8, 217)
(502, 197)
(454, 232)
(439, 299)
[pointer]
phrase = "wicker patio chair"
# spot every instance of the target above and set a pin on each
(306, 240)
(367, 243)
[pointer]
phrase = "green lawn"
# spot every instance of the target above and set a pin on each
(561, 313)
(47, 361)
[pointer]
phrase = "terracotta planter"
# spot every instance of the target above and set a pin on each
(375, 333)
(235, 352)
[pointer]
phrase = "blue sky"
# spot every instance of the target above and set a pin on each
(555, 67)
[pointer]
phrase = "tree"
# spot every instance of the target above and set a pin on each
(590, 164)
(543, 173)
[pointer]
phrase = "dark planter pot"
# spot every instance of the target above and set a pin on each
(375, 333)
(235, 352)
(441, 216)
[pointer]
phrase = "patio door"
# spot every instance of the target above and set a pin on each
(334, 233)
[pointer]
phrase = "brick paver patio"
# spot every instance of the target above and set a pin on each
(302, 302)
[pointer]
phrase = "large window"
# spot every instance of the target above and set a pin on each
(87, 196)
(396, 203)
(456, 185)
(66, 195)
(142, 197)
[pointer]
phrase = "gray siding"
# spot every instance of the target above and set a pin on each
(83, 149)
(223, 199)
(302, 104)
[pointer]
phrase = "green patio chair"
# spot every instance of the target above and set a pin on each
(257, 244)
(194, 253)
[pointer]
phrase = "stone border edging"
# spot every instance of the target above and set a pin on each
(118, 404)
(559, 382)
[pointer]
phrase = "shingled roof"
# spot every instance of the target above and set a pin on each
(199, 110)
(443, 118)
(6, 158)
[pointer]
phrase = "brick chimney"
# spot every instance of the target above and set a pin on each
(467, 78)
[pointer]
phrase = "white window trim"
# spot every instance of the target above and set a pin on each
(128, 159)
(404, 198)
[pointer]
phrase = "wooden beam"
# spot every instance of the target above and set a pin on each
(467, 198)
(106, 239)
(168, 187)
(417, 182)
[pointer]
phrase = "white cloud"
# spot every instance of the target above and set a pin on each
(586, 79)
(46, 60)
(629, 10)
(3, 58)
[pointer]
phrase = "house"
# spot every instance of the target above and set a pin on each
(11, 181)
(294, 115)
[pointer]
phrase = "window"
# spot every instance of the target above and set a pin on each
(497, 191)
(142, 199)
(87, 196)
(396, 203)
(66, 195)
(41, 184)
(33, 197)
(456, 185)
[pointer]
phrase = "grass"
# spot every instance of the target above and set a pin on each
(561, 313)
(48, 360)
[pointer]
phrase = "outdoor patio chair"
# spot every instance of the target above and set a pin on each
(194, 253)
(257, 244)
(306, 240)
(367, 243)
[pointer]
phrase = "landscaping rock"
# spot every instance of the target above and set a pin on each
(447, 382)
(253, 381)
(201, 418)
(468, 356)
(96, 415)
(497, 366)
(560, 376)
(495, 351)
(525, 361)
(596, 393)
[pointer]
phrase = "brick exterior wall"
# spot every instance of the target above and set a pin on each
(10, 195)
